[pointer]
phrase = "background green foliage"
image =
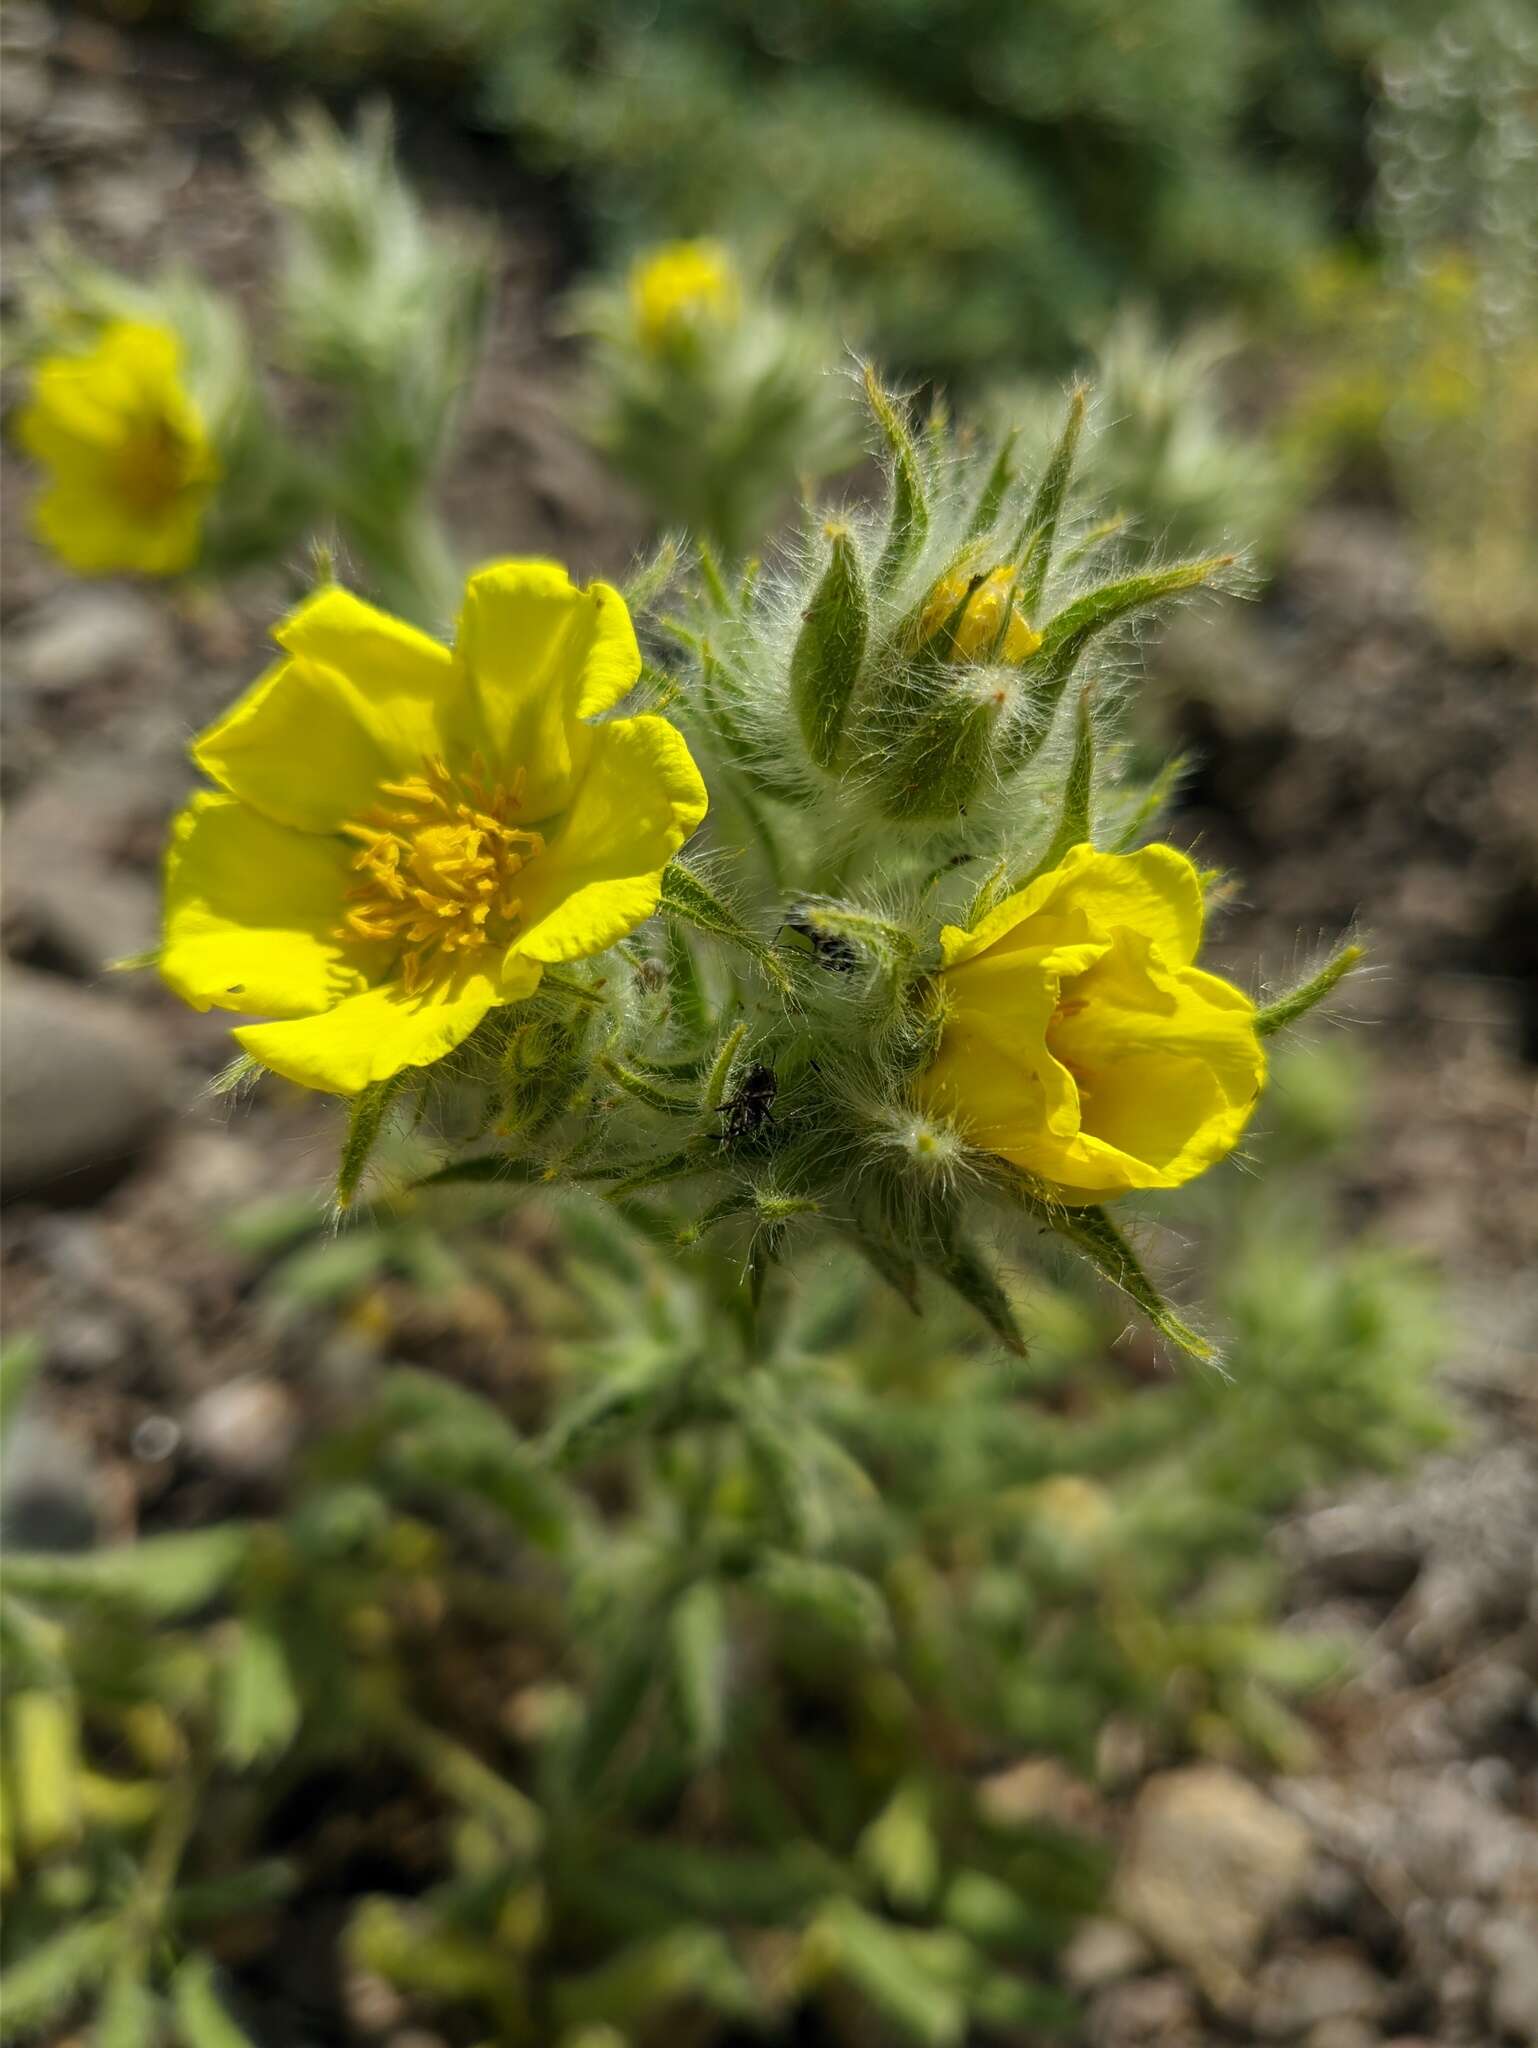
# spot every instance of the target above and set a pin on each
(983, 183)
(704, 1685)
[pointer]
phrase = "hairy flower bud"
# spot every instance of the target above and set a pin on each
(830, 650)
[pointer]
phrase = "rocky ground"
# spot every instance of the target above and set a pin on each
(1351, 766)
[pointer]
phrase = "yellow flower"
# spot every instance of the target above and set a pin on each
(405, 835)
(680, 287)
(130, 462)
(1082, 1044)
(977, 630)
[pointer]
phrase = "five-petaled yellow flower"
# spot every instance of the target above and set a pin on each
(1082, 1044)
(407, 835)
(130, 462)
(991, 627)
(679, 287)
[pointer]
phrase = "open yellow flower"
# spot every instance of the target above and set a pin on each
(1082, 1044)
(128, 454)
(407, 835)
(679, 286)
(992, 627)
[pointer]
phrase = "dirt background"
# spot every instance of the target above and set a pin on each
(1352, 767)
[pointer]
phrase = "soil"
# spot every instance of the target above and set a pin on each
(1350, 765)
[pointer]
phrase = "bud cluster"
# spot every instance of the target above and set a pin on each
(901, 729)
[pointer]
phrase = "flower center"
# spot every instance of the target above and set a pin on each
(153, 466)
(438, 863)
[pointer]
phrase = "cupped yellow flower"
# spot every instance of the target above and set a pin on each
(406, 835)
(976, 634)
(1082, 1044)
(128, 454)
(680, 287)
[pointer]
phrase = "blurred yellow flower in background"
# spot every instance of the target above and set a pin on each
(1082, 1044)
(129, 458)
(406, 835)
(679, 287)
(991, 628)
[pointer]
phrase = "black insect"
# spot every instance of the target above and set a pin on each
(832, 949)
(750, 1105)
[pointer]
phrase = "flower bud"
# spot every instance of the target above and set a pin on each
(938, 741)
(971, 620)
(830, 650)
(680, 287)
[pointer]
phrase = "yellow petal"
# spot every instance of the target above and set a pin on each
(1155, 892)
(94, 533)
(601, 873)
(251, 912)
(541, 656)
(371, 1036)
(361, 700)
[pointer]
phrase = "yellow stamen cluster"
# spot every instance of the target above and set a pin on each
(438, 864)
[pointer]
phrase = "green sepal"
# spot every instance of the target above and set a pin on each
(365, 1122)
(1073, 821)
(483, 1168)
(720, 694)
(643, 1090)
(686, 897)
(936, 761)
(909, 525)
(1288, 1009)
(963, 1269)
(877, 937)
(996, 489)
(1039, 534)
(658, 1173)
(899, 1272)
(1066, 635)
(1093, 1233)
(1150, 805)
(830, 650)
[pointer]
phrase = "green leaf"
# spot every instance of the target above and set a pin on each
(688, 1966)
(615, 1410)
(1274, 1017)
(699, 1655)
(891, 1968)
(686, 897)
(20, 1359)
(899, 1848)
(365, 1122)
(161, 1576)
(1037, 538)
(830, 650)
(57, 1975)
(827, 1595)
(909, 525)
(201, 2021)
(258, 1705)
(129, 2016)
(449, 1441)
